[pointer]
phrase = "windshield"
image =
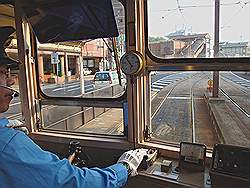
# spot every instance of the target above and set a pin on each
(102, 77)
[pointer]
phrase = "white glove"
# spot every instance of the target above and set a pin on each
(16, 124)
(133, 158)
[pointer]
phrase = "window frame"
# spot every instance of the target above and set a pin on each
(218, 64)
(154, 63)
(116, 102)
(34, 98)
(69, 101)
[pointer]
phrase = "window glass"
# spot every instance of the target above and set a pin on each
(235, 36)
(181, 28)
(72, 69)
(107, 121)
(183, 109)
(102, 76)
(83, 69)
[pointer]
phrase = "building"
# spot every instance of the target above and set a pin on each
(69, 55)
(191, 45)
(234, 49)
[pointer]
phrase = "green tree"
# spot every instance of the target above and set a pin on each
(156, 39)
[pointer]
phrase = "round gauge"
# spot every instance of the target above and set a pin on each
(131, 63)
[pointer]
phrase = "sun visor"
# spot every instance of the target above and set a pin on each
(70, 20)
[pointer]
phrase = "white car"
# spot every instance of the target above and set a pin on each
(107, 79)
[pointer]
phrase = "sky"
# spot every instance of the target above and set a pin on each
(197, 16)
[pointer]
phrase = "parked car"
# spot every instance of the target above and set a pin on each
(107, 79)
(86, 71)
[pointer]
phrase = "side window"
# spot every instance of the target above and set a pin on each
(78, 74)
(67, 69)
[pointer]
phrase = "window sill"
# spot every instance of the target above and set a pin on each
(89, 141)
(170, 151)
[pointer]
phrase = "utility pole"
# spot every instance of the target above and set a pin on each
(80, 64)
(216, 75)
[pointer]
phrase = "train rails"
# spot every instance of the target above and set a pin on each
(182, 99)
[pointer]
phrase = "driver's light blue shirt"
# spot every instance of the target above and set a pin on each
(25, 164)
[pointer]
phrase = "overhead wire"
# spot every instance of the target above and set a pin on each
(180, 10)
(201, 6)
(243, 5)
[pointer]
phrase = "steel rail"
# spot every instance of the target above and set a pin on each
(235, 103)
(193, 108)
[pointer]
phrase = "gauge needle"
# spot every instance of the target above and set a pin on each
(129, 62)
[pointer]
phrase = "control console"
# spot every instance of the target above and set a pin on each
(230, 166)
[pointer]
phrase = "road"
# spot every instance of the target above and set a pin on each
(71, 89)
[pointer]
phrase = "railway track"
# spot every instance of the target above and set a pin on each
(238, 91)
(168, 126)
(190, 126)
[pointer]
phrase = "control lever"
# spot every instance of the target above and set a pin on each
(75, 150)
(148, 159)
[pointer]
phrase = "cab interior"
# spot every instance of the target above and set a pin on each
(132, 104)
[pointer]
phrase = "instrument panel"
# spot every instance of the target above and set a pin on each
(231, 160)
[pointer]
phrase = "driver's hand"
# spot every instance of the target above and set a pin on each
(132, 159)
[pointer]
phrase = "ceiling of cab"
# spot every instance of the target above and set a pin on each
(7, 15)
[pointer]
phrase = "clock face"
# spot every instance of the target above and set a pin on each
(131, 63)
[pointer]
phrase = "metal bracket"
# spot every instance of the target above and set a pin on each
(147, 133)
(38, 114)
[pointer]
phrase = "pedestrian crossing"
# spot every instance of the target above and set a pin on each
(237, 79)
(167, 80)
(70, 89)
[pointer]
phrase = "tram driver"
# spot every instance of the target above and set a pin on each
(24, 164)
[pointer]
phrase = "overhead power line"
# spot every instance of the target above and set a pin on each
(180, 8)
